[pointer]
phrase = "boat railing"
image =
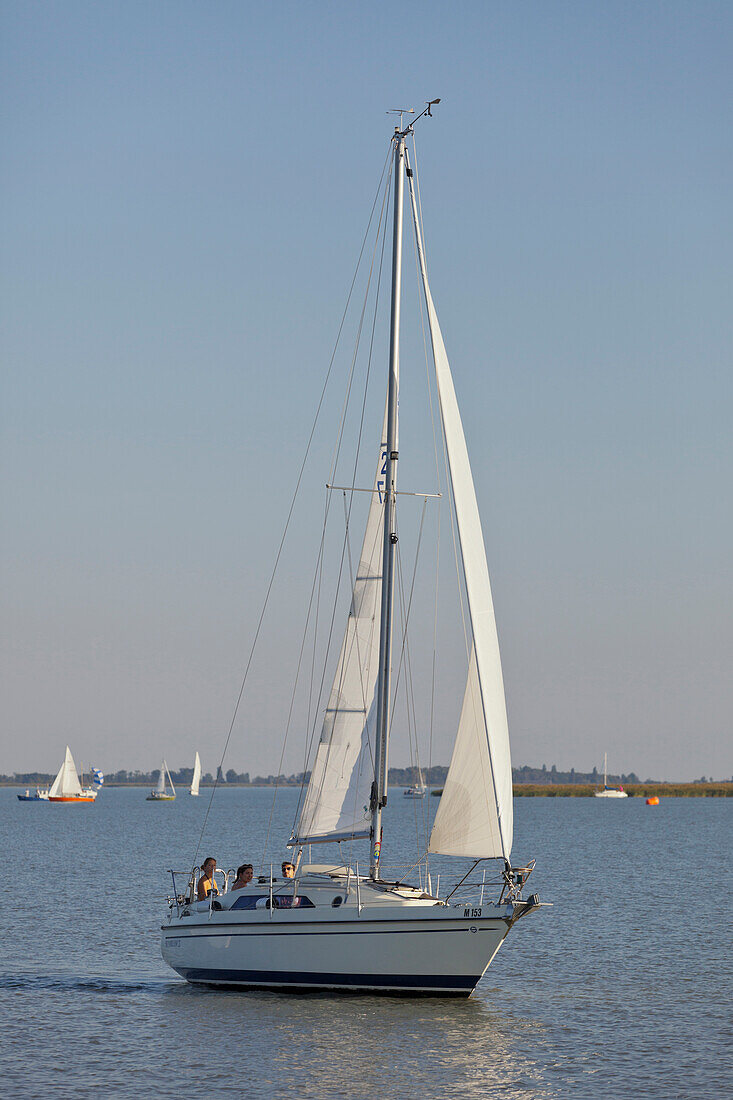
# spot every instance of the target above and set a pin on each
(182, 894)
(186, 882)
(473, 890)
(477, 886)
(480, 885)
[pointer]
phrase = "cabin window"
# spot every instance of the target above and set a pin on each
(286, 901)
(282, 901)
(247, 901)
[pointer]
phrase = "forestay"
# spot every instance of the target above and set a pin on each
(337, 801)
(66, 782)
(475, 814)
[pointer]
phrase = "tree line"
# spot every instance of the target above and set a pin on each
(405, 777)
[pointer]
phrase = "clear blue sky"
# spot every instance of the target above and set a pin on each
(184, 191)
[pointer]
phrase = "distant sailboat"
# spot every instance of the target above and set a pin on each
(417, 790)
(66, 786)
(160, 794)
(609, 792)
(194, 790)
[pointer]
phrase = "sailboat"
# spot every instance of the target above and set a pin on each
(417, 790)
(160, 792)
(609, 792)
(67, 787)
(332, 927)
(194, 788)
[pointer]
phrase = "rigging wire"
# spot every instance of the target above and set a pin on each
(318, 577)
(317, 710)
(292, 505)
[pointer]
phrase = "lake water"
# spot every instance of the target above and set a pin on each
(622, 988)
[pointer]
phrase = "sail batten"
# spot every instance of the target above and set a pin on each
(475, 814)
(336, 804)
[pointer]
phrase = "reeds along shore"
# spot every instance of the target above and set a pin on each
(644, 790)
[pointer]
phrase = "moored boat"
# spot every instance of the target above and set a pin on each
(417, 790)
(606, 791)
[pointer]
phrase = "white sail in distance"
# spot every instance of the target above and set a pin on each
(475, 813)
(66, 782)
(337, 801)
(160, 785)
(196, 775)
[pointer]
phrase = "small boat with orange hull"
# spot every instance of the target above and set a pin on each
(66, 787)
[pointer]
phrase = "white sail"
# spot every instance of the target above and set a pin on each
(160, 785)
(475, 814)
(66, 782)
(196, 775)
(173, 789)
(337, 801)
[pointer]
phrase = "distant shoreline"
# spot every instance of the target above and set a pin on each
(633, 790)
(521, 790)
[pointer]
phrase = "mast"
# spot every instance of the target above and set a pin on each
(379, 786)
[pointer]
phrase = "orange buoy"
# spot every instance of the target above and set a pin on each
(653, 801)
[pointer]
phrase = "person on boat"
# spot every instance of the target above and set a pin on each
(288, 870)
(244, 876)
(207, 882)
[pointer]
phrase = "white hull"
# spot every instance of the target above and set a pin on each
(399, 941)
(610, 794)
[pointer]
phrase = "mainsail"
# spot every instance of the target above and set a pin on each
(475, 814)
(160, 785)
(196, 775)
(337, 801)
(66, 782)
